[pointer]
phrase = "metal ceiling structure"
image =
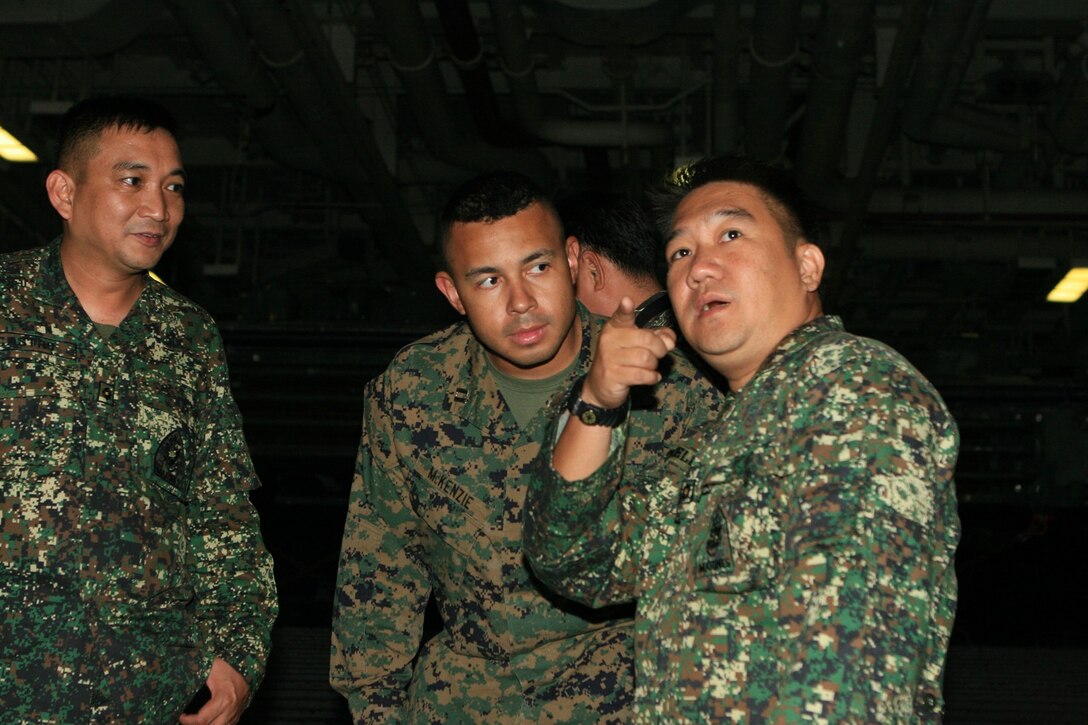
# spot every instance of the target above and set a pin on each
(946, 139)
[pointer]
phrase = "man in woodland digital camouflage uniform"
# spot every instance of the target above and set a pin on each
(132, 570)
(797, 560)
(436, 505)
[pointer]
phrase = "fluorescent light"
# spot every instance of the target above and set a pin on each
(1072, 286)
(11, 149)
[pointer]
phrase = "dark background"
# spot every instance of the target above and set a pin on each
(944, 140)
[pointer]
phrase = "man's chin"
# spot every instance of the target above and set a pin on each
(522, 359)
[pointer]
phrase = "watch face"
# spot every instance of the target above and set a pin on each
(589, 417)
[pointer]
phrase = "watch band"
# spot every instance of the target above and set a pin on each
(594, 414)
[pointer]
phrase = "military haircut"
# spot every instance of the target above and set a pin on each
(777, 188)
(83, 124)
(615, 227)
(489, 197)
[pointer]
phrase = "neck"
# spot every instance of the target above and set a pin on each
(643, 292)
(739, 377)
(638, 292)
(106, 296)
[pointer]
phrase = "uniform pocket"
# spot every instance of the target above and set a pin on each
(165, 439)
(39, 403)
(737, 537)
(453, 514)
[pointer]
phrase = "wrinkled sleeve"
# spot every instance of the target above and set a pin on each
(573, 533)
(381, 588)
(584, 538)
(869, 589)
(232, 570)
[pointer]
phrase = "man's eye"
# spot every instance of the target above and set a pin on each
(538, 268)
(731, 234)
(131, 181)
(176, 188)
(489, 282)
(679, 254)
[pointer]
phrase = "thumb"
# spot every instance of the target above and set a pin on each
(624, 316)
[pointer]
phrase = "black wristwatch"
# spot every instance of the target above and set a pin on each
(593, 414)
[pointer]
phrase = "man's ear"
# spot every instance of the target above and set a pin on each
(59, 186)
(810, 261)
(594, 267)
(574, 250)
(445, 285)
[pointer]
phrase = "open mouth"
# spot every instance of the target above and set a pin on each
(712, 306)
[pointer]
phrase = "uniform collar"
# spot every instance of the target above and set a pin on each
(796, 340)
(474, 394)
(51, 286)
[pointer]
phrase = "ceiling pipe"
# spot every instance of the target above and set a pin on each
(932, 113)
(1066, 117)
(962, 55)
(844, 34)
(344, 136)
(468, 57)
(519, 67)
(774, 50)
(327, 72)
(935, 63)
(70, 29)
(413, 55)
(725, 135)
(983, 245)
(980, 203)
(638, 23)
(884, 126)
(215, 32)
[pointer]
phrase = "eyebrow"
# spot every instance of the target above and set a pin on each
(729, 212)
(139, 166)
(527, 259)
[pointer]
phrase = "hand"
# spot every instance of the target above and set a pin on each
(626, 356)
(229, 694)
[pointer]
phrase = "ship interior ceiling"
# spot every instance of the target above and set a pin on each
(945, 142)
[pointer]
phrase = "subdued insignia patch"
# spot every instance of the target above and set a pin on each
(174, 461)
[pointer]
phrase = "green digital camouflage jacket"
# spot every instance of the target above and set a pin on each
(436, 509)
(130, 555)
(797, 563)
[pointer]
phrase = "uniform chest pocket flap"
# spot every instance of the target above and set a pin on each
(39, 401)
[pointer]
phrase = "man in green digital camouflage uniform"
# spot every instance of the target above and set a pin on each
(132, 570)
(797, 562)
(436, 504)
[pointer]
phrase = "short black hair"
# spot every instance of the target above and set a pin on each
(776, 186)
(489, 197)
(84, 122)
(614, 226)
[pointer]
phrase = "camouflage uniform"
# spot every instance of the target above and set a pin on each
(130, 555)
(436, 508)
(798, 563)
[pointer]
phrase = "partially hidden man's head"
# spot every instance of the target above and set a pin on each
(508, 269)
(619, 250)
(743, 266)
(118, 184)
